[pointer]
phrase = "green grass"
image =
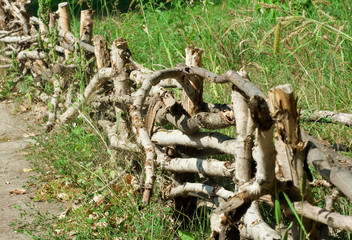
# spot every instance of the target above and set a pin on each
(312, 52)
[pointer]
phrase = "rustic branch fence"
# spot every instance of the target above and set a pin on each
(268, 156)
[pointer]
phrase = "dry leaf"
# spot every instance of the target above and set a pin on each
(93, 216)
(18, 191)
(99, 199)
(129, 179)
(117, 187)
(101, 224)
(62, 197)
(59, 231)
(64, 214)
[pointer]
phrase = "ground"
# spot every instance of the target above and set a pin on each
(15, 139)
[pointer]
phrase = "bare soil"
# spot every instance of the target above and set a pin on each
(15, 141)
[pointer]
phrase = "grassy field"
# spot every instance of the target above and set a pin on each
(307, 44)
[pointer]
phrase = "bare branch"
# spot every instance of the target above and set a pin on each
(30, 54)
(101, 76)
(71, 40)
(254, 226)
(327, 162)
(117, 142)
(189, 188)
(199, 140)
(209, 167)
(244, 140)
(18, 40)
(335, 117)
(332, 219)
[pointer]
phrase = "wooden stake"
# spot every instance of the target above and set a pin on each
(291, 155)
(192, 95)
(86, 27)
(101, 52)
(64, 21)
(120, 57)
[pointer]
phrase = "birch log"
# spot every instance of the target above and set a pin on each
(192, 95)
(23, 55)
(329, 164)
(86, 27)
(101, 76)
(69, 41)
(117, 142)
(328, 116)
(101, 51)
(213, 140)
(252, 94)
(192, 125)
(120, 58)
(141, 131)
(254, 226)
(283, 106)
(332, 219)
(244, 138)
(64, 21)
(207, 167)
(53, 105)
(198, 188)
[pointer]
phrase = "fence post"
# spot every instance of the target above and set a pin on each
(86, 27)
(192, 95)
(64, 21)
(101, 52)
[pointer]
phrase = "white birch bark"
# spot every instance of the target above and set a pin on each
(199, 140)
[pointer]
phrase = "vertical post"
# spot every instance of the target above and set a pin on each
(192, 95)
(283, 105)
(51, 20)
(244, 138)
(64, 21)
(86, 27)
(101, 51)
(120, 57)
(289, 145)
(2, 16)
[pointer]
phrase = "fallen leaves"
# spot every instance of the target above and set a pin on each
(98, 199)
(62, 197)
(18, 191)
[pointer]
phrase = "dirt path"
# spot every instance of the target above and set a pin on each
(14, 140)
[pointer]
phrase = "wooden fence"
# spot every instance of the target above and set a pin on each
(269, 154)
